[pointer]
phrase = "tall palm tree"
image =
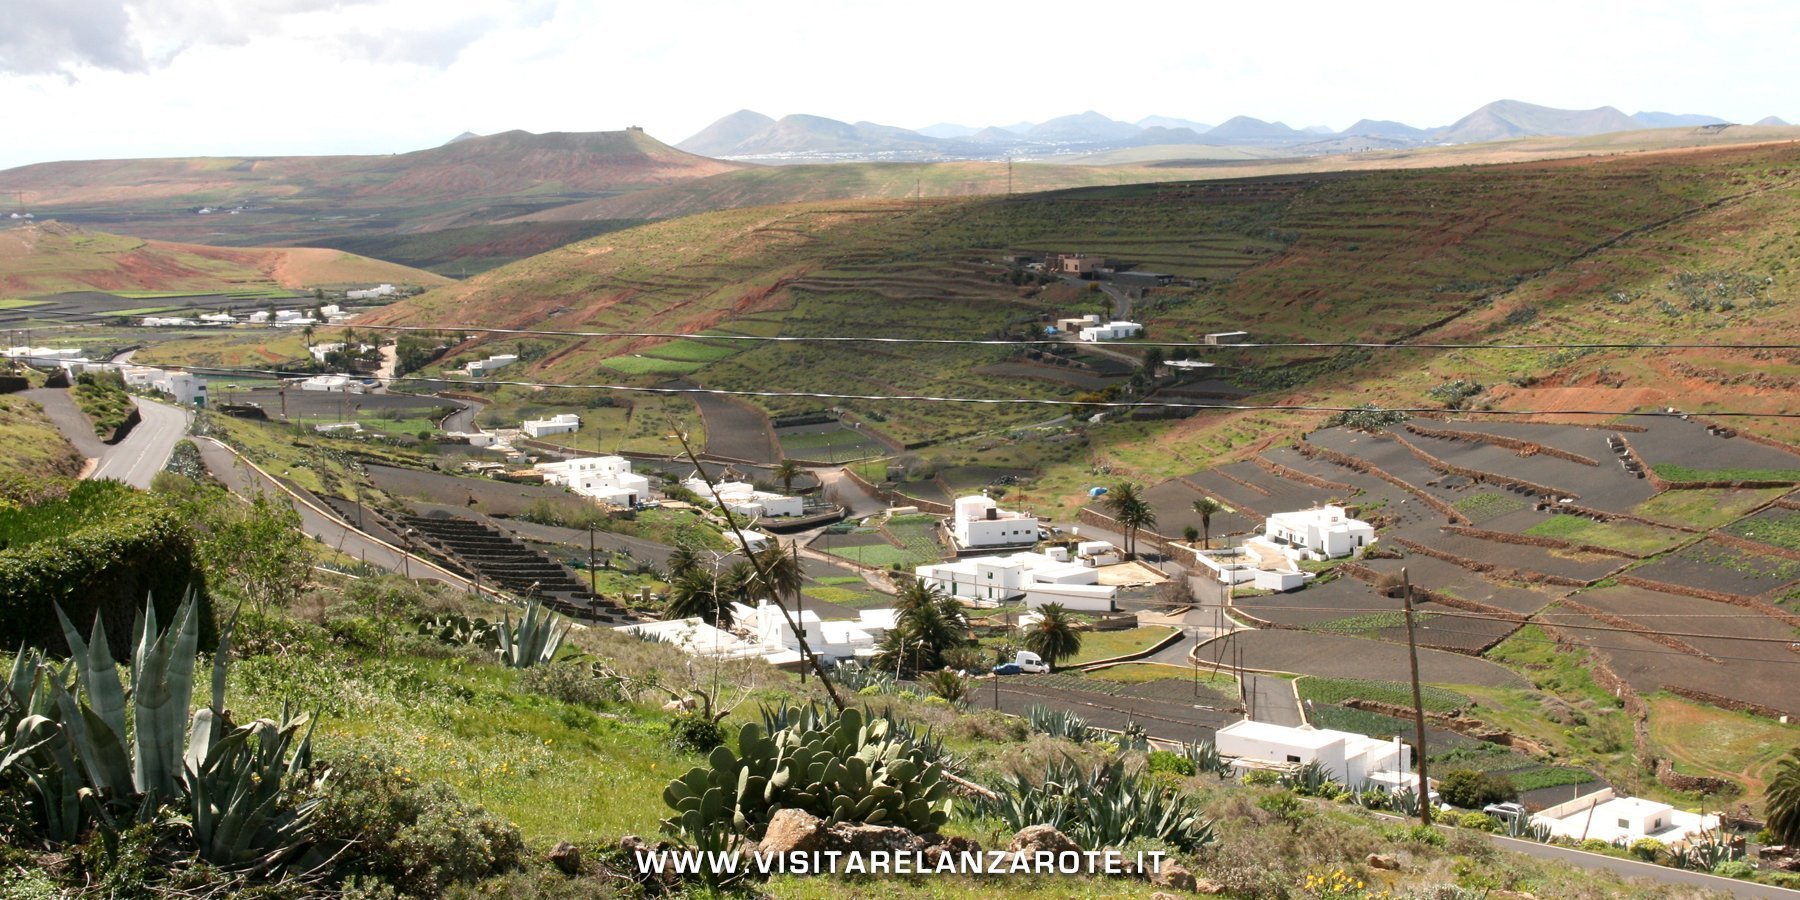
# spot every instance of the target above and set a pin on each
(1053, 636)
(783, 570)
(1782, 799)
(1125, 501)
(1204, 508)
(787, 470)
(929, 624)
(681, 559)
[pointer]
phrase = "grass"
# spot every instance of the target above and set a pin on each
(1779, 527)
(1145, 673)
(1677, 473)
(1368, 623)
(1375, 725)
(1098, 645)
(34, 445)
(1706, 740)
(1705, 508)
(19, 303)
(1487, 505)
(650, 365)
(880, 555)
(1337, 690)
(1628, 537)
(103, 400)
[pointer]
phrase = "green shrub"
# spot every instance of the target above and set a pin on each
(573, 682)
(418, 836)
(1287, 808)
(1736, 868)
(1596, 845)
(1473, 790)
(1647, 849)
(101, 549)
(1261, 777)
(1173, 763)
(1475, 821)
(695, 733)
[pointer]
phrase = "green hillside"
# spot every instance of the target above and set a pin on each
(1654, 246)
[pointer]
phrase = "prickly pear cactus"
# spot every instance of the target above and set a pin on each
(841, 768)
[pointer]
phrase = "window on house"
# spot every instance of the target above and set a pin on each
(1292, 758)
(1625, 824)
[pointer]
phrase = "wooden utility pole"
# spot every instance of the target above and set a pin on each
(1412, 653)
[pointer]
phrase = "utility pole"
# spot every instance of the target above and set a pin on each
(1412, 653)
(799, 610)
(593, 576)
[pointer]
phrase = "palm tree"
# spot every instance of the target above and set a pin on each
(783, 570)
(1053, 636)
(929, 624)
(1204, 508)
(697, 592)
(1126, 503)
(1782, 799)
(681, 559)
(787, 470)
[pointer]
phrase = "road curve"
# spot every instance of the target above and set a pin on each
(143, 453)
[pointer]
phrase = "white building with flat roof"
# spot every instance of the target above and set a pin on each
(1326, 532)
(1036, 578)
(492, 364)
(978, 522)
(762, 631)
(1620, 820)
(1351, 759)
(743, 498)
(561, 423)
(1111, 331)
(340, 383)
(608, 479)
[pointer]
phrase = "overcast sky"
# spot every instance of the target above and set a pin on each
(85, 79)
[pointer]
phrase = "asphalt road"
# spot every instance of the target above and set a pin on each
(243, 480)
(68, 419)
(143, 453)
(1634, 869)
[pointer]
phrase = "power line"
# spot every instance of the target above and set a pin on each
(997, 342)
(1016, 401)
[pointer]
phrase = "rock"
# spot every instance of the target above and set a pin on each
(566, 857)
(682, 705)
(1163, 895)
(1208, 886)
(938, 846)
(859, 838)
(1379, 861)
(793, 830)
(1172, 875)
(1776, 851)
(1041, 838)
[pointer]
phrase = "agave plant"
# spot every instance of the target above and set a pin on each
(1704, 855)
(1405, 802)
(1528, 829)
(1105, 806)
(840, 767)
(1310, 780)
(71, 743)
(1059, 723)
(461, 631)
(534, 641)
(855, 676)
(1206, 758)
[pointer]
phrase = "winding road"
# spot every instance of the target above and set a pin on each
(143, 453)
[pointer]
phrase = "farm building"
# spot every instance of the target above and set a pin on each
(1073, 324)
(1355, 760)
(491, 365)
(343, 383)
(979, 523)
(1036, 578)
(1111, 331)
(742, 497)
(1077, 264)
(1325, 532)
(374, 293)
(1228, 337)
(608, 479)
(1621, 820)
(1143, 279)
(561, 423)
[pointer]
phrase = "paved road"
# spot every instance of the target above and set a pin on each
(143, 453)
(68, 419)
(1635, 869)
(245, 481)
(841, 489)
(1272, 700)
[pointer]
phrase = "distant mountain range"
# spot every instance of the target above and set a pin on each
(751, 135)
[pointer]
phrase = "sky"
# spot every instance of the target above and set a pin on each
(98, 79)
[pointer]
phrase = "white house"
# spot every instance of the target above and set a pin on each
(1351, 759)
(1111, 331)
(385, 290)
(978, 522)
(186, 388)
(1263, 565)
(320, 351)
(608, 479)
(1322, 532)
(43, 356)
(219, 319)
(743, 498)
(762, 631)
(492, 364)
(561, 423)
(287, 315)
(260, 317)
(341, 383)
(1621, 820)
(1036, 577)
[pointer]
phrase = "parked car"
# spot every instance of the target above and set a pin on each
(1025, 663)
(1505, 811)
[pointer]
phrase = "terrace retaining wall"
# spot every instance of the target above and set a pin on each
(1698, 784)
(1241, 508)
(1478, 475)
(1524, 448)
(1512, 574)
(1664, 484)
(1747, 602)
(1604, 617)
(1090, 516)
(1533, 540)
(1752, 438)
(1281, 471)
(1363, 573)
(1750, 546)
(1368, 468)
(1606, 678)
(1767, 712)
